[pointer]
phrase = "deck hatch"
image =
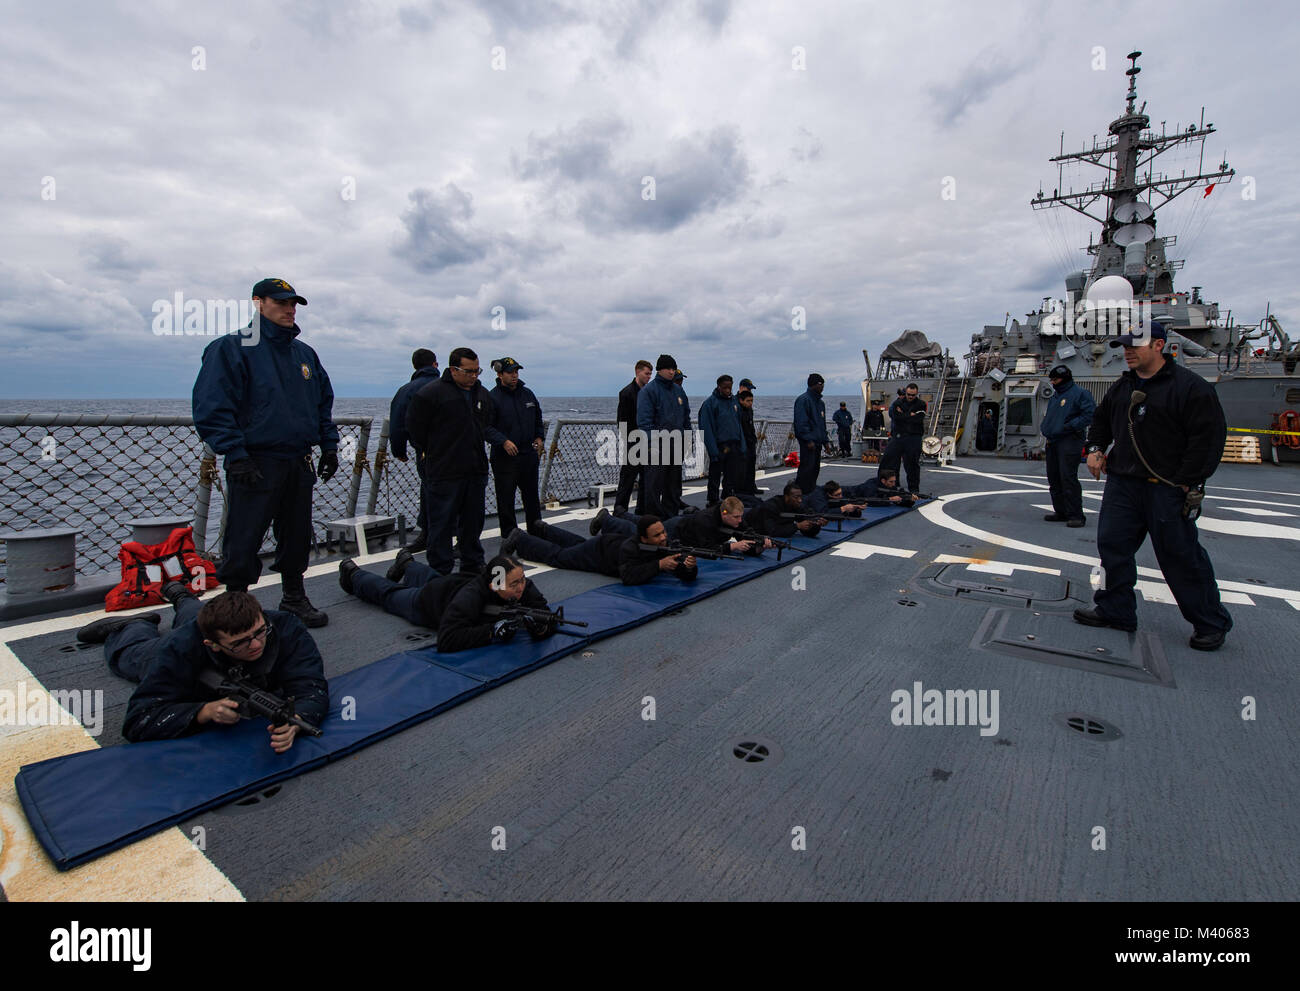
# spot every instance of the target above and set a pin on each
(1055, 639)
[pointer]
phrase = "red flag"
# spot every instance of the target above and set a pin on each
(1209, 189)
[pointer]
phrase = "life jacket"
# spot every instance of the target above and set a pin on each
(146, 568)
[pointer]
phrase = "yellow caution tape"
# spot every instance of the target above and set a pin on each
(1280, 433)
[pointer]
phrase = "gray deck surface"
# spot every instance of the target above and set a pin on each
(597, 803)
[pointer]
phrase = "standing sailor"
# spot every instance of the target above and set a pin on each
(746, 397)
(810, 431)
(452, 417)
(724, 439)
(628, 473)
(844, 422)
(262, 400)
(664, 416)
(1065, 424)
(906, 424)
(1168, 432)
(426, 368)
(517, 414)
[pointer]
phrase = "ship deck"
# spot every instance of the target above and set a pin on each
(972, 592)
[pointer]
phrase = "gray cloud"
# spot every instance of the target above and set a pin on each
(978, 81)
(438, 233)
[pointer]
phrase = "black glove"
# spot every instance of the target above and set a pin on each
(504, 631)
(539, 628)
(329, 464)
(244, 471)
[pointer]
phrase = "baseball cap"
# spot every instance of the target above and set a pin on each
(506, 365)
(747, 384)
(277, 289)
(1157, 333)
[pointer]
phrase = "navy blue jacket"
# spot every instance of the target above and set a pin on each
(270, 399)
(170, 694)
(451, 425)
(517, 415)
(810, 419)
(720, 422)
(747, 428)
(397, 435)
(1069, 413)
(843, 419)
(662, 405)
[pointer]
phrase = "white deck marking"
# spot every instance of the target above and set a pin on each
(164, 867)
(1254, 512)
(863, 551)
(937, 513)
(1160, 592)
(993, 567)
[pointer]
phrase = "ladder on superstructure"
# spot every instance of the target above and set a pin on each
(946, 415)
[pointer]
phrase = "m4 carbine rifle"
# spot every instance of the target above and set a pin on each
(703, 553)
(257, 701)
(524, 613)
(757, 538)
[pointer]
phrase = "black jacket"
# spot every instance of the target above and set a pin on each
(874, 420)
(1179, 427)
(170, 695)
(705, 530)
(517, 414)
(766, 519)
(463, 624)
(627, 404)
(747, 428)
(902, 420)
(636, 567)
(449, 430)
(436, 593)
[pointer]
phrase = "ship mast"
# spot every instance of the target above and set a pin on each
(1135, 193)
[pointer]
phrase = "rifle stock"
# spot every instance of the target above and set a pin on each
(703, 553)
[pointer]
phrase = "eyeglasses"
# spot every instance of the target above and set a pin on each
(262, 633)
(467, 371)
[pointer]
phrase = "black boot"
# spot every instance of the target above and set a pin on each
(421, 543)
(397, 570)
(347, 568)
(176, 592)
(101, 629)
(295, 601)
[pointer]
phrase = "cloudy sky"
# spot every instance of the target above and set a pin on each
(579, 185)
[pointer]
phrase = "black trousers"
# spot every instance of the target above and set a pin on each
(282, 501)
(663, 490)
(131, 650)
(810, 464)
(907, 448)
(748, 483)
(628, 476)
(519, 472)
(1132, 508)
(726, 471)
(1062, 458)
(399, 599)
(456, 504)
(844, 440)
(560, 548)
(422, 520)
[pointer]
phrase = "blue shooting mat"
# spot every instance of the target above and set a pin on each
(84, 805)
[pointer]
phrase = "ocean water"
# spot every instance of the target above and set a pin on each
(567, 407)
